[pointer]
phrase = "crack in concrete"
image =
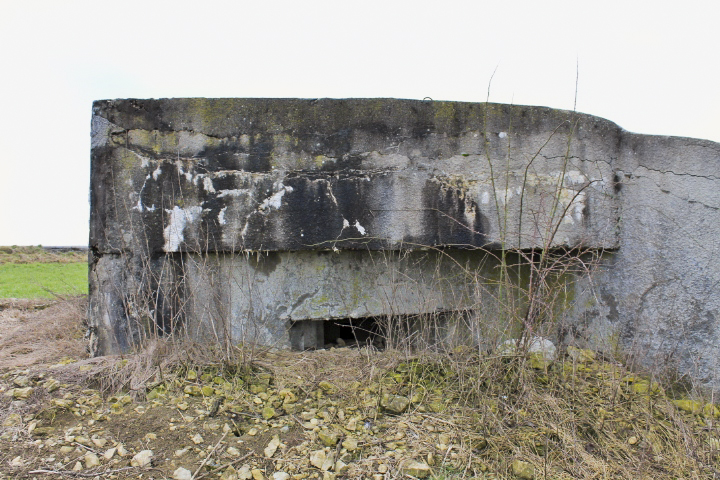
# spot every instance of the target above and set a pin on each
(669, 192)
(706, 177)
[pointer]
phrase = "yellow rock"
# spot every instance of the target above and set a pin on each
(182, 474)
(62, 402)
(142, 459)
(416, 469)
(524, 470)
(268, 413)
(183, 451)
(644, 387)
(326, 387)
(711, 410)
(341, 467)
(287, 395)
(19, 393)
(121, 450)
(272, 446)
(51, 385)
(328, 438)
(581, 355)
(229, 474)
(689, 406)
(99, 442)
(394, 403)
(91, 460)
(193, 390)
(317, 458)
(350, 443)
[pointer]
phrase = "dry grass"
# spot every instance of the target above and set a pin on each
(41, 331)
(33, 254)
(578, 419)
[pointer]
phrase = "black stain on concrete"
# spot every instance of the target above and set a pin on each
(447, 211)
(265, 263)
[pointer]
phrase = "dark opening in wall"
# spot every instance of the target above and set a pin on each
(428, 330)
(353, 332)
(341, 332)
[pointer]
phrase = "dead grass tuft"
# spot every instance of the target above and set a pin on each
(34, 332)
(37, 254)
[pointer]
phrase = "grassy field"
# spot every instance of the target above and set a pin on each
(30, 272)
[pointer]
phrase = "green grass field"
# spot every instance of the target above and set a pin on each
(41, 280)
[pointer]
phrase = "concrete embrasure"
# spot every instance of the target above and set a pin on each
(235, 218)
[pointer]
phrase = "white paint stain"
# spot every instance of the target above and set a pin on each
(221, 216)
(174, 233)
(181, 171)
(139, 206)
(346, 224)
(157, 173)
(502, 135)
(275, 200)
(332, 196)
(485, 199)
(208, 185)
(359, 227)
(231, 193)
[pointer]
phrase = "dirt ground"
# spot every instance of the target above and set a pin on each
(196, 419)
(177, 411)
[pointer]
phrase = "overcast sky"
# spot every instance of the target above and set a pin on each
(651, 67)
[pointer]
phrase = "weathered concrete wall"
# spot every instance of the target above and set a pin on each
(344, 198)
(660, 299)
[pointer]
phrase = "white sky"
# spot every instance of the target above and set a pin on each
(651, 67)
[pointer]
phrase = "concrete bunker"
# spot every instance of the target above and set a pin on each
(250, 220)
